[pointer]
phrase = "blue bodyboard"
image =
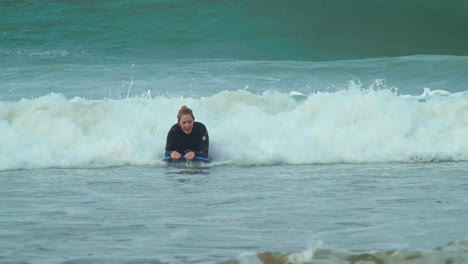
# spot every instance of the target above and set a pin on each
(196, 158)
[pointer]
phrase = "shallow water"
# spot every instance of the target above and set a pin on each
(146, 214)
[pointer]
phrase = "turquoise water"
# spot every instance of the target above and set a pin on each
(261, 30)
(338, 131)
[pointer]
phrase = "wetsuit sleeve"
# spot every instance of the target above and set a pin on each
(204, 143)
(170, 142)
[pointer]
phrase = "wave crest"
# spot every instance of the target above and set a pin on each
(351, 126)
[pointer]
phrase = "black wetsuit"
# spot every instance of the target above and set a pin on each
(197, 141)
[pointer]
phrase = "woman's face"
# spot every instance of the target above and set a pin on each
(186, 123)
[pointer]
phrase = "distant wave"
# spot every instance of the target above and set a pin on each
(253, 30)
(346, 126)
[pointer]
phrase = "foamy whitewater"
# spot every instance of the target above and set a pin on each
(338, 132)
(348, 126)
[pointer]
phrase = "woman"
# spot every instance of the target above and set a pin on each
(187, 138)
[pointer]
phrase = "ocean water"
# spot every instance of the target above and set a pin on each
(339, 131)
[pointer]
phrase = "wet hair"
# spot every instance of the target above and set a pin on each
(184, 110)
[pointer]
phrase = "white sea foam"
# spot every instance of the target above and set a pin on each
(351, 125)
(454, 252)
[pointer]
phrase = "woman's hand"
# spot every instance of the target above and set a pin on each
(189, 155)
(175, 155)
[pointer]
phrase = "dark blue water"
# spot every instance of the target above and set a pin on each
(259, 30)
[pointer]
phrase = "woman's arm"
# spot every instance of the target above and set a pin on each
(170, 142)
(204, 142)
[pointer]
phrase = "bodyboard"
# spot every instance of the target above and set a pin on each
(196, 158)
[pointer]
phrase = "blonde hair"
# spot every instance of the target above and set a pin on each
(184, 110)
